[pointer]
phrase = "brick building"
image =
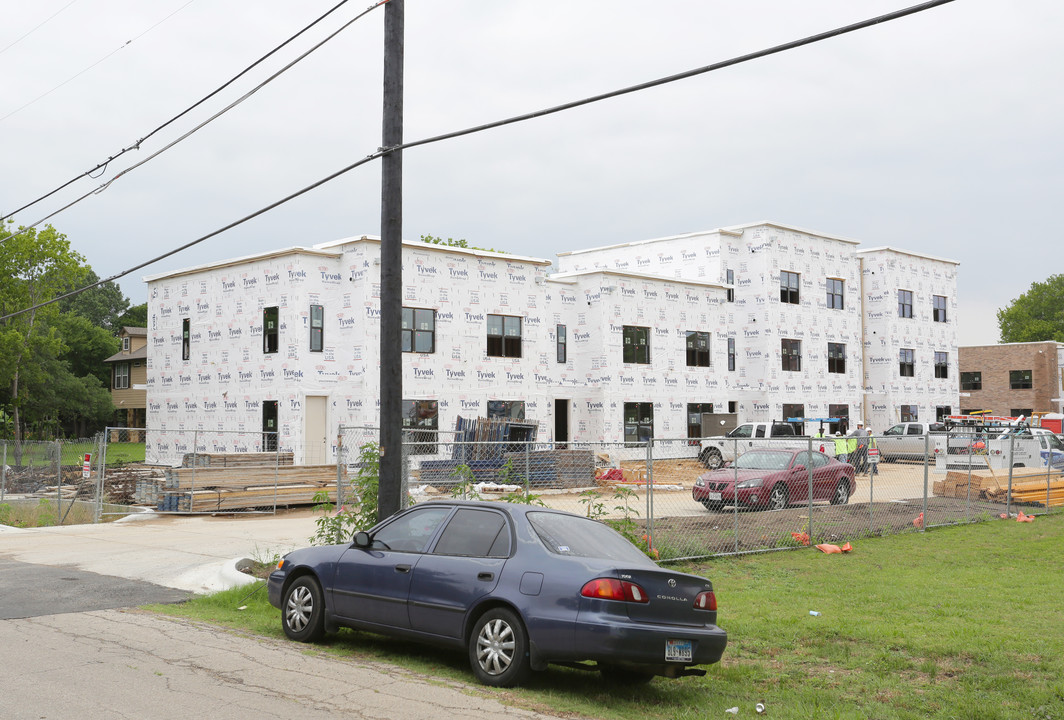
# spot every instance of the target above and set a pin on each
(1012, 378)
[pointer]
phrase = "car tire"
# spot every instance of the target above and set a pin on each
(711, 458)
(842, 492)
(778, 497)
(498, 649)
(303, 610)
(620, 675)
(713, 505)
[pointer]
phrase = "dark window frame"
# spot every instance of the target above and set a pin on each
(421, 426)
(316, 323)
(907, 362)
(271, 336)
(561, 344)
(729, 278)
(695, 411)
(972, 380)
(633, 351)
(905, 303)
(1021, 379)
(790, 287)
(413, 337)
(941, 365)
(731, 355)
(909, 413)
(938, 308)
(790, 355)
(638, 423)
(836, 294)
(504, 334)
(698, 349)
(836, 357)
(186, 338)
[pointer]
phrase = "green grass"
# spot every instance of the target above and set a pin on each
(959, 622)
(38, 454)
(44, 512)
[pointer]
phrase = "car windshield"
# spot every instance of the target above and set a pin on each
(763, 460)
(581, 537)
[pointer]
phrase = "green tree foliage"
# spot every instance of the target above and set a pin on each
(101, 305)
(52, 378)
(136, 316)
(1036, 315)
(451, 242)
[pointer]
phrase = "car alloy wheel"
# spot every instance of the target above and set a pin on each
(842, 493)
(777, 499)
(498, 649)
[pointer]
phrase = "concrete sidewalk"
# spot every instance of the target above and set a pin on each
(198, 554)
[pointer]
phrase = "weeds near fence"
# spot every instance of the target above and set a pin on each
(359, 509)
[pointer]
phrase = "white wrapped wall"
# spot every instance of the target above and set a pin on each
(671, 285)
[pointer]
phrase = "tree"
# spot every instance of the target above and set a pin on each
(136, 316)
(38, 266)
(102, 305)
(451, 242)
(1036, 315)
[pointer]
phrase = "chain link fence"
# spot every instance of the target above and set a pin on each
(765, 494)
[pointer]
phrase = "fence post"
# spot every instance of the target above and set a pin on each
(735, 490)
(339, 467)
(1049, 472)
(871, 497)
(3, 474)
(927, 446)
(1008, 494)
(101, 466)
(809, 489)
(58, 483)
(528, 484)
(650, 493)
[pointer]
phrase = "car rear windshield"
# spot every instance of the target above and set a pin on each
(581, 537)
(763, 460)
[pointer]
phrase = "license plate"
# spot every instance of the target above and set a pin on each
(678, 650)
(713, 496)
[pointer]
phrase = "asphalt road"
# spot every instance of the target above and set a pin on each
(28, 590)
(108, 664)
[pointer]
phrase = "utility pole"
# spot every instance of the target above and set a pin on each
(391, 356)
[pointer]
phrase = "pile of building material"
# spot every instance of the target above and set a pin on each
(231, 487)
(260, 459)
(1029, 485)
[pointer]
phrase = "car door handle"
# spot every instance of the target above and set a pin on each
(402, 568)
(485, 576)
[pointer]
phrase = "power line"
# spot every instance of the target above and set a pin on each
(136, 146)
(78, 74)
(509, 121)
(197, 128)
(35, 28)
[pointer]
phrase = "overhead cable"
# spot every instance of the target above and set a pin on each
(508, 121)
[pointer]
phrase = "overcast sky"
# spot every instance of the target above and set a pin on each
(939, 133)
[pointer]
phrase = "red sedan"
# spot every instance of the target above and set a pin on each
(774, 479)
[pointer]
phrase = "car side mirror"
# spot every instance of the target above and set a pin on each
(362, 539)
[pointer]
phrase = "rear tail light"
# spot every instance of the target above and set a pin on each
(613, 589)
(706, 601)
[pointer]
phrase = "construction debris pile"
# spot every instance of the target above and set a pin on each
(1030, 486)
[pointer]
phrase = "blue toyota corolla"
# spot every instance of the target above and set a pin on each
(516, 586)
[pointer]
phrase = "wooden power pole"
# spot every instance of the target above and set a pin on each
(391, 357)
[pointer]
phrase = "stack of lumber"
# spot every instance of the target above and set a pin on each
(1034, 489)
(262, 459)
(215, 489)
(1028, 486)
(957, 485)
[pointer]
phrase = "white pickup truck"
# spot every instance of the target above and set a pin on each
(1000, 450)
(908, 440)
(716, 451)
